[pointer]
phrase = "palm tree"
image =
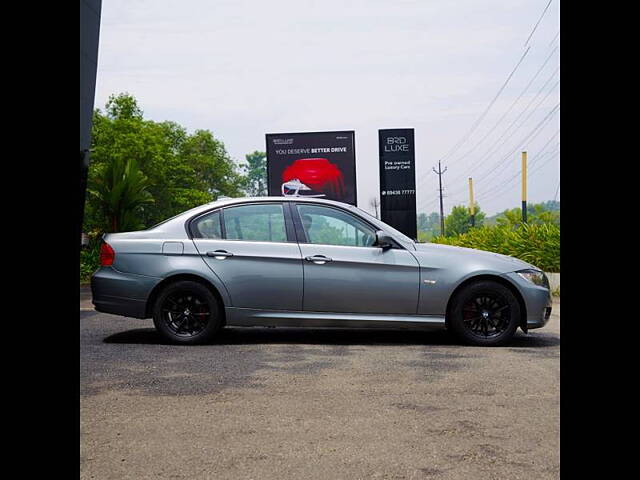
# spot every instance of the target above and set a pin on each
(120, 189)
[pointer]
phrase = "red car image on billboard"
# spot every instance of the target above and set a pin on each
(313, 177)
(312, 164)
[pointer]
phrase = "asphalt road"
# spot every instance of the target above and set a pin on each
(316, 404)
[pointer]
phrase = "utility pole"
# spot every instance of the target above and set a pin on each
(440, 172)
(472, 206)
(524, 187)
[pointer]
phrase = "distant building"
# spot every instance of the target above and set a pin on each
(89, 34)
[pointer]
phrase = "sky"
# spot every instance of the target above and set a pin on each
(245, 68)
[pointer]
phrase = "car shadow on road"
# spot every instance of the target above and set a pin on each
(312, 336)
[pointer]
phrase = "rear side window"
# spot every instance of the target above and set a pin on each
(207, 226)
(258, 223)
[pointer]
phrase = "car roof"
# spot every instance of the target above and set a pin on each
(226, 201)
(179, 219)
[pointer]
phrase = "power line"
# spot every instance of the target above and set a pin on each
(423, 205)
(486, 110)
(426, 208)
(486, 154)
(534, 133)
(490, 195)
(533, 163)
(533, 172)
(513, 104)
(491, 149)
(535, 159)
(479, 120)
(557, 190)
(537, 23)
(529, 137)
(497, 193)
(543, 163)
(548, 152)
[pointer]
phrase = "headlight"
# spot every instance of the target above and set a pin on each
(535, 276)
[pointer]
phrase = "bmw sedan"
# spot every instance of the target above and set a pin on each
(310, 262)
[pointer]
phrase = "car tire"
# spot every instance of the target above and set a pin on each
(485, 313)
(186, 312)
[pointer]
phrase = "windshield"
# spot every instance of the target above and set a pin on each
(395, 232)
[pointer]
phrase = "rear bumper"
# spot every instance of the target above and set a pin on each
(538, 301)
(121, 293)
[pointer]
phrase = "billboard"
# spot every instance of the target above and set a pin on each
(312, 164)
(398, 180)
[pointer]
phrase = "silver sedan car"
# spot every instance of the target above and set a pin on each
(308, 262)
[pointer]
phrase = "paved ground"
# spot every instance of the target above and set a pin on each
(316, 404)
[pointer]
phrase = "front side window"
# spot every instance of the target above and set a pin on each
(330, 226)
(207, 226)
(258, 223)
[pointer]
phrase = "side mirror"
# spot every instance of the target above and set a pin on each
(383, 240)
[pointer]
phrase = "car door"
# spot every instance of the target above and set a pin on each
(253, 250)
(344, 272)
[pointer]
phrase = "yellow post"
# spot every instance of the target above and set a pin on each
(472, 205)
(524, 187)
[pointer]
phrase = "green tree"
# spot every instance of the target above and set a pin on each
(183, 170)
(459, 220)
(552, 205)
(540, 213)
(119, 189)
(255, 171)
(208, 167)
(123, 106)
(537, 214)
(428, 222)
(510, 218)
(428, 226)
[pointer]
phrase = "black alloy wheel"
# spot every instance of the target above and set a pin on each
(485, 313)
(187, 312)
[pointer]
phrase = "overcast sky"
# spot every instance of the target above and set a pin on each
(245, 68)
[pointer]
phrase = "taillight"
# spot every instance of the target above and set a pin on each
(107, 255)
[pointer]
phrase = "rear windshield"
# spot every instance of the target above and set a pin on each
(175, 216)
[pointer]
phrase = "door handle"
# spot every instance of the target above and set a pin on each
(318, 259)
(219, 254)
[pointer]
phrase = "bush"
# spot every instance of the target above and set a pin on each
(90, 257)
(535, 244)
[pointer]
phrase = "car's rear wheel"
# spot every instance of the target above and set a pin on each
(186, 312)
(485, 313)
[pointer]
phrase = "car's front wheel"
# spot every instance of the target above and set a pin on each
(186, 312)
(485, 313)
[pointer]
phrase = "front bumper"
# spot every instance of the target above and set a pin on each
(538, 301)
(121, 293)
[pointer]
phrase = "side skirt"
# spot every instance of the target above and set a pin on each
(248, 317)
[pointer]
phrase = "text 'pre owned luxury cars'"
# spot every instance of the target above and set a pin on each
(310, 262)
